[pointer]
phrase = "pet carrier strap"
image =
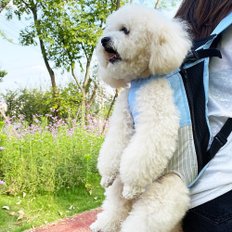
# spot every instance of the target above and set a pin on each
(202, 53)
(221, 138)
(211, 52)
(225, 23)
(222, 26)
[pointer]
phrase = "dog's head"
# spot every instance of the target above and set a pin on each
(138, 42)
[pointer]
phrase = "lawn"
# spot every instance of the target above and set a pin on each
(47, 172)
(19, 213)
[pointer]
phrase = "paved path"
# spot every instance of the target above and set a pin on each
(78, 223)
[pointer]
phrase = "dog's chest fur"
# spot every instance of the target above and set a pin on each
(153, 96)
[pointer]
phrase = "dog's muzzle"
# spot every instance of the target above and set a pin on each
(112, 54)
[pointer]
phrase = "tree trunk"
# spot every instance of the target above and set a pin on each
(44, 53)
(84, 90)
(91, 99)
(75, 78)
(50, 71)
(109, 111)
(87, 73)
(157, 4)
(83, 109)
(118, 4)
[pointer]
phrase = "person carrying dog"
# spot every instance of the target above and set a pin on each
(211, 195)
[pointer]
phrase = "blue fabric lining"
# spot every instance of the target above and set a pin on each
(180, 98)
(135, 86)
(225, 23)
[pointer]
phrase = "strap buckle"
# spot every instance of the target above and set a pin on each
(221, 139)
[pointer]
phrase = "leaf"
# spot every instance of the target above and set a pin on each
(60, 213)
(18, 202)
(6, 207)
(21, 215)
(71, 207)
(24, 194)
(12, 213)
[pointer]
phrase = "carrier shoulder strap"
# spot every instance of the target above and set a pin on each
(203, 48)
(206, 48)
(223, 25)
(221, 138)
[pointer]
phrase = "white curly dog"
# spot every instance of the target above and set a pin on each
(140, 196)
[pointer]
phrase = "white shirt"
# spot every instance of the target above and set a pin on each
(217, 177)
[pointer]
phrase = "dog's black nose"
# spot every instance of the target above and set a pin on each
(105, 41)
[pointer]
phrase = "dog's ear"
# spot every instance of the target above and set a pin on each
(170, 44)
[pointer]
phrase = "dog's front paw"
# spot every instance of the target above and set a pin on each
(95, 227)
(106, 181)
(131, 192)
(106, 222)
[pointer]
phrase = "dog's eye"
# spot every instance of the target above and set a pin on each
(125, 30)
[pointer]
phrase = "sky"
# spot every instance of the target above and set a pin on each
(24, 64)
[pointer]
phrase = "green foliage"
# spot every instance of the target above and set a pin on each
(34, 103)
(2, 74)
(67, 32)
(30, 103)
(2, 135)
(42, 159)
(168, 4)
(4, 36)
(3, 138)
(69, 29)
(27, 212)
(3, 4)
(69, 100)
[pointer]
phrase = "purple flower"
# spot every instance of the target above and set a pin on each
(2, 182)
(70, 131)
(21, 117)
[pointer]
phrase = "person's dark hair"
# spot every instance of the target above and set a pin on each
(203, 15)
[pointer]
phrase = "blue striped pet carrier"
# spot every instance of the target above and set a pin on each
(190, 87)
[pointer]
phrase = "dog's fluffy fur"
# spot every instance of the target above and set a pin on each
(139, 42)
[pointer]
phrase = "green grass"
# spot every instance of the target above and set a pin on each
(49, 174)
(41, 162)
(27, 212)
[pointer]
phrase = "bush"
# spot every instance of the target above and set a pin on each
(47, 158)
(27, 103)
(36, 102)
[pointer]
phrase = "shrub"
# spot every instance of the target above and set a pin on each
(46, 158)
(30, 102)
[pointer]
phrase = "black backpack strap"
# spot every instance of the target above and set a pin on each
(221, 138)
(196, 54)
(203, 53)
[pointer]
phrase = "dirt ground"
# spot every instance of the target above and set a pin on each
(78, 223)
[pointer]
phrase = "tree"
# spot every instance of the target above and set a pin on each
(34, 10)
(67, 32)
(2, 74)
(166, 4)
(72, 29)
(3, 4)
